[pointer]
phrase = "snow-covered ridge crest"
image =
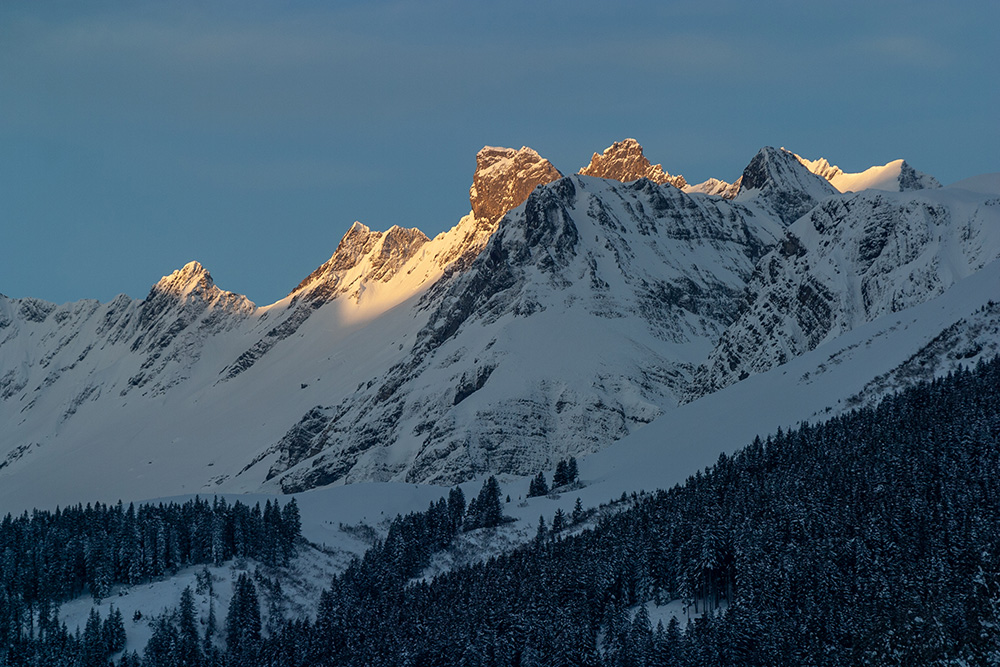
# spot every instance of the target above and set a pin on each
(716, 188)
(624, 161)
(373, 256)
(194, 282)
(895, 176)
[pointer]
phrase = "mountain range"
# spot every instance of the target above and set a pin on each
(564, 313)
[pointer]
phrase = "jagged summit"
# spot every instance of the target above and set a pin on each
(624, 161)
(561, 314)
(192, 277)
(385, 251)
(505, 177)
(191, 284)
(895, 176)
(777, 178)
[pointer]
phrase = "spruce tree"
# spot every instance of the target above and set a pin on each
(243, 621)
(558, 521)
(188, 642)
(561, 476)
(538, 486)
(488, 508)
(456, 507)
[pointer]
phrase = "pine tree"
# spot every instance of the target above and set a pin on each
(243, 621)
(558, 521)
(93, 650)
(161, 647)
(188, 642)
(489, 511)
(561, 476)
(114, 631)
(291, 522)
(210, 627)
(538, 486)
(542, 531)
(456, 507)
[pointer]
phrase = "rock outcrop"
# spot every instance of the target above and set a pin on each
(778, 180)
(624, 161)
(504, 178)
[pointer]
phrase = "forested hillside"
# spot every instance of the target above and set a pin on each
(873, 538)
(870, 539)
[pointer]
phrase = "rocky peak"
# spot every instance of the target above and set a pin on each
(504, 178)
(777, 178)
(192, 284)
(624, 161)
(385, 251)
(911, 179)
(192, 278)
(179, 301)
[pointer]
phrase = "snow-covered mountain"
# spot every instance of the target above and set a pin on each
(583, 317)
(560, 315)
(850, 260)
(895, 176)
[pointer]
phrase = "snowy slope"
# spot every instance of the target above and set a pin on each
(582, 319)
(852, 259)
(895, 176)
(507, 343)
(814, 386)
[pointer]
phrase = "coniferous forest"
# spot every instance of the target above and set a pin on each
(872, 538)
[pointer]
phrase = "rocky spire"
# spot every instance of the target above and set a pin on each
(624, 161)
(778, 179)
(191, 278)
(504, 178)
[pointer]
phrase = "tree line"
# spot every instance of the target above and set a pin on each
(872, 538)
(49, 557)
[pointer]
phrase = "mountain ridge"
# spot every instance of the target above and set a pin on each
(588, 309)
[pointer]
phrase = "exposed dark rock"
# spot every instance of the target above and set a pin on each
(782, 182)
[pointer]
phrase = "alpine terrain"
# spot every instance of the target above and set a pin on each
(799, 354)
(562, 314)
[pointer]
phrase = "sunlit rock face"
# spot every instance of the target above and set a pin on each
(382, 253)
(624, 161)
(504, 178)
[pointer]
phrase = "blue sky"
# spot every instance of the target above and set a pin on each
(135, 137)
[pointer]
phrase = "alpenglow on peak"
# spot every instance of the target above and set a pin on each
(624, 161)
